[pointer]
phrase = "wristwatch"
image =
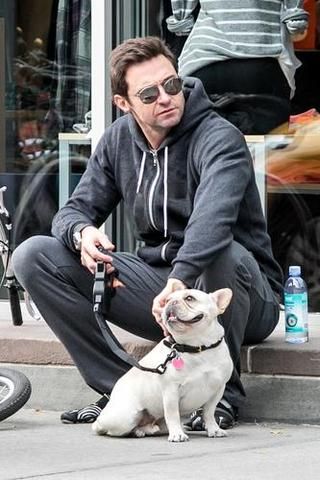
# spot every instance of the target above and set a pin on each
(76, 235)
(76, 238)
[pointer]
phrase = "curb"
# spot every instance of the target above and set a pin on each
(280, 398)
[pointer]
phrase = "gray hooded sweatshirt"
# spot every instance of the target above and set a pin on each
(188, 200)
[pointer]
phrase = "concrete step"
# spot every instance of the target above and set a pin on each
(282, 380)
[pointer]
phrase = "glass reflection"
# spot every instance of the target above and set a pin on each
(47, 64)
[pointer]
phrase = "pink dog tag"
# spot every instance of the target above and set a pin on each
(178, 363)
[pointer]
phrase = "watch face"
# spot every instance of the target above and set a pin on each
(77, 240)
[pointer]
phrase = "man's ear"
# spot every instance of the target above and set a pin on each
(121, 102)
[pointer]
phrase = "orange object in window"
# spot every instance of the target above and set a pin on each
(309, 42)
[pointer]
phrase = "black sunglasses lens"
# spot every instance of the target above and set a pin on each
(149, 94)
(173, 86)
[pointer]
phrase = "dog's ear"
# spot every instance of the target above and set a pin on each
(222, 298)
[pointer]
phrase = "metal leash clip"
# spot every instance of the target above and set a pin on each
(163, 366)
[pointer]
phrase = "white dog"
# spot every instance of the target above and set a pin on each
(145, 403)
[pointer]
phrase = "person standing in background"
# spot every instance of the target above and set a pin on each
(243, 47)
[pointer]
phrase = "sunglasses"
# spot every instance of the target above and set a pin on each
(148, 95)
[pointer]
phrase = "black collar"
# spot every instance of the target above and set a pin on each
(179, 347)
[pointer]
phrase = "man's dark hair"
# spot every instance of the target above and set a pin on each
(131, 52)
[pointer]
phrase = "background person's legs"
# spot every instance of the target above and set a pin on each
(262, 77)
(62, 290)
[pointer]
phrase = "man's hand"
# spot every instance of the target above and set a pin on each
(91, 239)
(159, 302)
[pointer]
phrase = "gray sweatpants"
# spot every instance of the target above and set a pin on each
(62, 290)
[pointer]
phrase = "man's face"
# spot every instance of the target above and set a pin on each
(157, 118)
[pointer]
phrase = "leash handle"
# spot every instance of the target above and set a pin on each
(104, 283)
(98, 286)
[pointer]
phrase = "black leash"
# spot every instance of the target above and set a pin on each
(103, 292)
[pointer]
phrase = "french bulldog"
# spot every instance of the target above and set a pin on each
(196, 363)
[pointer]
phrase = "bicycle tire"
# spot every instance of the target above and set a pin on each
(15, 305)
(15, 391)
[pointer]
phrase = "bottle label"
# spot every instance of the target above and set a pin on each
(296, 312)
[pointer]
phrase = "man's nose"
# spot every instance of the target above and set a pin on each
(163, 97)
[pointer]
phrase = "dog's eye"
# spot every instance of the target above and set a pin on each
(189, 298)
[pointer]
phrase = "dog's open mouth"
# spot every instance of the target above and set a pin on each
(172, 317)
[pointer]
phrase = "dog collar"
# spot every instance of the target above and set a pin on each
(180, 347)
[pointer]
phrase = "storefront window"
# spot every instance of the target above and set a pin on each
(293, 185)
(46, 60)
(293, 169)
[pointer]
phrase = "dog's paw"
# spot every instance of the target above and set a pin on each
(139, 432)
(178, 436)
(98, 428)
(146, 430)
(151, 429)
(217, 432)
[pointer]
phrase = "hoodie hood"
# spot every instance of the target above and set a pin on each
(198, 107)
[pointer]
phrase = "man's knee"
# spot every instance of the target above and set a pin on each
(232, 262)
(26, 256)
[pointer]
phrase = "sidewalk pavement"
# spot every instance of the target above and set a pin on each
(282, 383)
(35, 445)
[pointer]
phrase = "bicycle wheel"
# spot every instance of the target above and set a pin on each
(15, 391)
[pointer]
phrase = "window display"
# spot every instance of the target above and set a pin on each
(47, 65)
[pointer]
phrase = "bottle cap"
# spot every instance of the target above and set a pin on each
(294, 271)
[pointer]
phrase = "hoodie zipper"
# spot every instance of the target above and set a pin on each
(153, 187)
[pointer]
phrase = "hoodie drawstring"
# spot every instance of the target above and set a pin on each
(143, 162)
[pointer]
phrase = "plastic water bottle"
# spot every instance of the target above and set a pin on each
(296, 307)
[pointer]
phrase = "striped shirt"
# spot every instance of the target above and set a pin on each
(228, 29)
